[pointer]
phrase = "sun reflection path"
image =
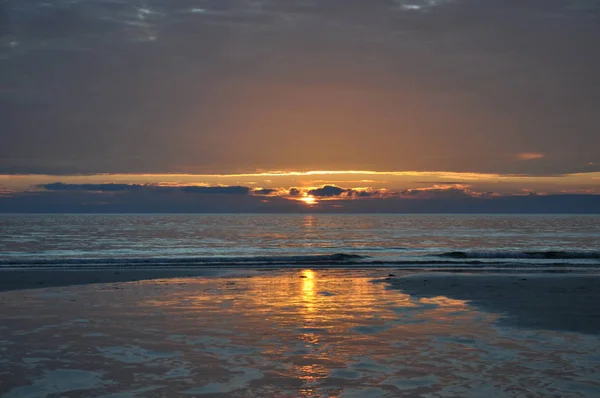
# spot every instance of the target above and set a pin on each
(337, 333)
(308, 288)
(310, 367)
(295, 333)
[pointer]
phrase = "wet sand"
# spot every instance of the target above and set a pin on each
(566, 301)
(12, 279)
(295, 333)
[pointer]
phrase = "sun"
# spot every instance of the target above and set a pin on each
(309, 200)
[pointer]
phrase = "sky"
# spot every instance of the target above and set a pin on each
(300, 105)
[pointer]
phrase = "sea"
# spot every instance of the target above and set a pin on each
(446, 242)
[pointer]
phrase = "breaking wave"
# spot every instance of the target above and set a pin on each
(448, 260)
(107, 262)
(541, 255)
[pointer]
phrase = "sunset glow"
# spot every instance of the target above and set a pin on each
(271, 198)
(309, 200)
(292, 191)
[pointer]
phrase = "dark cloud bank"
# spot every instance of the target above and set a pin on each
(332, 191)
(126, 198)
(111, 187)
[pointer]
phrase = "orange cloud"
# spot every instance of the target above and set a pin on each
(445, 191)
(383, 183)
(530, 156)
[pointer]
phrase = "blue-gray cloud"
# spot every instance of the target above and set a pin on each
(330, 191)
(294, 192)
(228, 190)
(176, 201)
(213, 86)
(327, 191)
(111, 187)
(265, 191)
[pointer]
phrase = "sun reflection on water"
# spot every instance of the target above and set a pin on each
(290, 334)
(316, 325)
(308, 289)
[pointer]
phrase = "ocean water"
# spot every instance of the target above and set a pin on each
(237, 240)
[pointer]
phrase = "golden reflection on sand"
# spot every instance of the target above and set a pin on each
(324, 320)
(308, 289)
(302, 333)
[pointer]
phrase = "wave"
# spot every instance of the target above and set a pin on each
(448, 261)
(338, 258)
(542, 255)
(385, 249)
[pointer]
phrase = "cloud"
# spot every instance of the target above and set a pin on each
(297, 67)
(515, 204)
(124, 198)
(439, 182)
(333, 191)
(143, 201)
(418, 5)
(5, 191)
(327, 191)
(229, 190)
(266, 191)
(294, 192)
(110, 187)
(445, 191)
(530, 156)
(361, 193)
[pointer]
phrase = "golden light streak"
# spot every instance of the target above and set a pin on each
(308, 285)
(200, 177)
(440, 174)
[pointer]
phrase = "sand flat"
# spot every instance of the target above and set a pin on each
(560, 301)
(19, 279)
(277, 334)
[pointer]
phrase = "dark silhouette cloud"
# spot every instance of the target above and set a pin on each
(233, 190)
(218, 190)
(177, 201)
(361, 194)
(294, 192)
(265, 191)
(541, 204)
(110, 187)
(444, 191)
(142, 201)
(327, 191)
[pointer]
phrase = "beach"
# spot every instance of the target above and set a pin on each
(15, 279)
(562, 301)
(303, 332)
